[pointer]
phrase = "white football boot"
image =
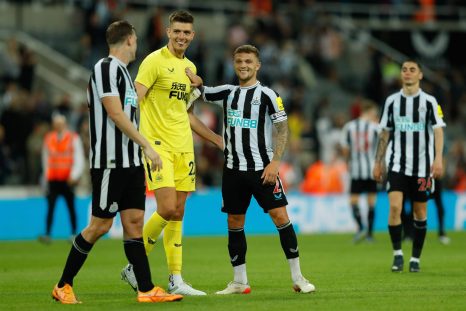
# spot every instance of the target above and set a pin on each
(127, 275)
(303, 286)
(235, 288)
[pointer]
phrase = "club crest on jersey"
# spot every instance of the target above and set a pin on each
(113, 207)
(256, 101)
(277, 191)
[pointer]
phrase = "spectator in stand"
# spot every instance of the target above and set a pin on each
(27, 68)
(10, 60)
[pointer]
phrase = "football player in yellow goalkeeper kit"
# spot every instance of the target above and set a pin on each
(163, 90)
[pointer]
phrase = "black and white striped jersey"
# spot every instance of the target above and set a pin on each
(360, 137)
(411, 121)
(248, 117)
(109, 147)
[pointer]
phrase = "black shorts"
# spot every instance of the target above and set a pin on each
(363, 186)
(238, 187)
(416, 188)
(117, 189)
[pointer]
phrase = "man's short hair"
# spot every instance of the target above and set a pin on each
(247, 48)
(58, 116)
(409, 60)
(367, 105)
(181, 17)
(118, 31)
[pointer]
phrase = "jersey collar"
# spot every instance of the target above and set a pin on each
(118, 60)
(251, 86)
(411, 96)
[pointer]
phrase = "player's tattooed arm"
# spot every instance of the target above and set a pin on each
(379, 171)
(280, 140)
(382, 146)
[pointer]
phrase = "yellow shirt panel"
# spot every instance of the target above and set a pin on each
(164, 118)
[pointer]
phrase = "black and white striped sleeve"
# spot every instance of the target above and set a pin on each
(106, 78)
(437, 114)
(386, 122)
(216, 94)
(275, 104)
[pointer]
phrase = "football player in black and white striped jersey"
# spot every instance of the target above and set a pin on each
(358, 143)
(252, 158)
(412, 122)
(117, 171)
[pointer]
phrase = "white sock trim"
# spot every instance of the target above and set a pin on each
(398, 252)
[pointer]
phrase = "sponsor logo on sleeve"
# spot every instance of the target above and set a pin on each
(439, 111)
(280, 104)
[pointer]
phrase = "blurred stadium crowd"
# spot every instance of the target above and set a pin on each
(304, 56)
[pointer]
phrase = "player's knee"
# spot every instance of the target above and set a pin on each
(133, 225)
(132, 232)
(395, 211)
(279, 216)
(420, 214)
(280, 220)
(235, 221)
(177, 214)
(167, 211)
(97, 231)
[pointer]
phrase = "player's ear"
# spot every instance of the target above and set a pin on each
(421, 75)
(258, 65)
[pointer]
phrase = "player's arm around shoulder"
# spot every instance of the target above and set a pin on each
(197, 125)
(196, 81)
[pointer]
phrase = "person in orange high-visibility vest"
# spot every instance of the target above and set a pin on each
(63, 165)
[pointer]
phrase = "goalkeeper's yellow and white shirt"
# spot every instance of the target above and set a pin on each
(164, 118)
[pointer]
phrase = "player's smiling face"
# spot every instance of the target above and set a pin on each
(410, 74)
(180, 36)
(246, 67)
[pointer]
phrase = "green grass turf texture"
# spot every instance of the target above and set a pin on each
(347, 276)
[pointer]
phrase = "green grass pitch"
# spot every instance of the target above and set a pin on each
(347, 276)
